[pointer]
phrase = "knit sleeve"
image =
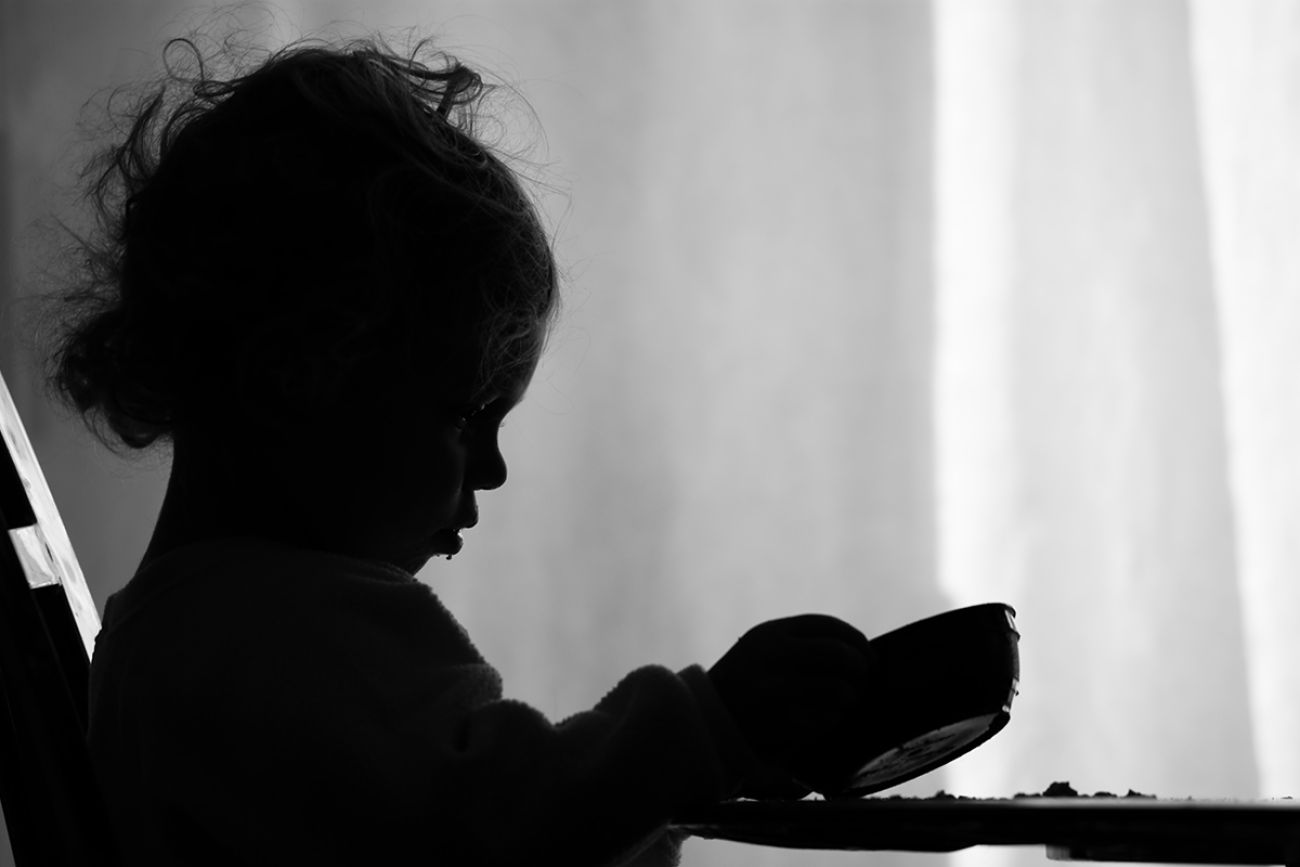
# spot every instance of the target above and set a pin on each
(594, 787)
(346, 730)
(492, 786)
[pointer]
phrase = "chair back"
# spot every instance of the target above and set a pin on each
(52, 805)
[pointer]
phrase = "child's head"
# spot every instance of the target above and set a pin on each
(321, 235)
(303, 276)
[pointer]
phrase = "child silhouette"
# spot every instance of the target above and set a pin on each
(316, 283)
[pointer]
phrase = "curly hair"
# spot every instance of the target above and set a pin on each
(322, 231)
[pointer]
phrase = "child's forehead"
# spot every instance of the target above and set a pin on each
(509, 387)
(466, 379)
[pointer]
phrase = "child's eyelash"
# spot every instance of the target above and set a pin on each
(469, 414)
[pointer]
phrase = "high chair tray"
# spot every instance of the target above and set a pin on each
(1144, 829)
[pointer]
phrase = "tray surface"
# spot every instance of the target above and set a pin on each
(1104, 828)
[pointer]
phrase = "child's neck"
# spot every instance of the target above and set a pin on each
(187, 516)
(311, 503)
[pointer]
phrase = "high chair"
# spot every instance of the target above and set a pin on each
(48, 622)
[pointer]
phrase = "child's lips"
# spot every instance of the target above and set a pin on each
(448, 541)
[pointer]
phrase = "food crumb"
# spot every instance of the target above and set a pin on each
(1058, 789)
(1062, 789)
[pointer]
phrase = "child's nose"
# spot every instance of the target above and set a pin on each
(487, 470)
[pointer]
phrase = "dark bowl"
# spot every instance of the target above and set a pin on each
(946, 684)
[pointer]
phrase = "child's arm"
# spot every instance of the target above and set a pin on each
(290, 778)
(586, 790)
(351, 722)
(281, 716)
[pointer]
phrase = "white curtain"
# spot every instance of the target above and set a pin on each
(874, 308)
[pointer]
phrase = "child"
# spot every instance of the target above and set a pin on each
(324, 292)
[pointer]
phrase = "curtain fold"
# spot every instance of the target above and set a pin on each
(1081, 340)
(1247, 63)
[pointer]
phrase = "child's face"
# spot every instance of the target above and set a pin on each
(419, 492)
(396, 486)
(436, 476)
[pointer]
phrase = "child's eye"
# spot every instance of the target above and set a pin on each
(465, 415)
(481, 416)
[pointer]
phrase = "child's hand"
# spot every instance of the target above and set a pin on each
(799, 688)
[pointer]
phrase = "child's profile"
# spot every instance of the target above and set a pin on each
(324, 291)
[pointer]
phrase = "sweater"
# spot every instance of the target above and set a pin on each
(254, 703)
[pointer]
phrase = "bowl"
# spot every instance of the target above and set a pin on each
(943, 687)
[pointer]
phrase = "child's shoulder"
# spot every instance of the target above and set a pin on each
(230, 568)
(244, 594)
(306, 647)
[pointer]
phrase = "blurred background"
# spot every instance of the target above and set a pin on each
(874, 307)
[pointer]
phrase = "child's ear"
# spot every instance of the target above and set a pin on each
(283, 378)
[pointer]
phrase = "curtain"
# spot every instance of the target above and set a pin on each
(872, 308)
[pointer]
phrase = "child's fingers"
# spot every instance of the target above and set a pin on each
(819, 640)
(825, 696)
(829, 656)
(819, 626)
